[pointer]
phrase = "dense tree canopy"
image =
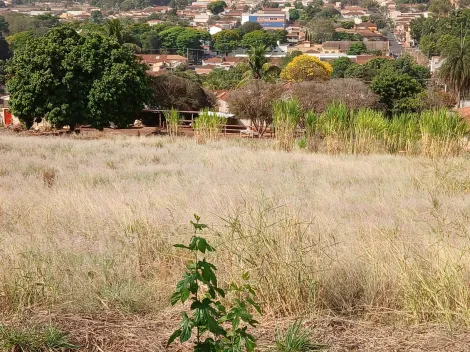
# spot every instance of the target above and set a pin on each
(226, 41)
(249, 27)
(440, 7)
(395, 90)
(69, 79)
(217, 7)
(357, 48)
(340, 66)
(430, 32)
(258, 38)
(224, 79)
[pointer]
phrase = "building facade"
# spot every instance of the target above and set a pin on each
(270, 21)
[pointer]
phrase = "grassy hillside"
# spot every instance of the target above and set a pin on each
(87, 228)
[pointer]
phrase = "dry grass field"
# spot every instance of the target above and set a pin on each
(372, 251)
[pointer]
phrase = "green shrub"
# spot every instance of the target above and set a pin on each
(296, 339)
(34, 339)
(217, 327)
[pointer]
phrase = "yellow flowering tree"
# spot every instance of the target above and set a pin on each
(307, 68)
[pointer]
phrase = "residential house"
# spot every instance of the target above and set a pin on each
(296, 33)
(354, 13)
(158, 9)
(355, 16)
(367, 26)
(232, 13)
(227, 23)
(161, 63)
(222, 62)
(371, 36)
(306, 47)
(154, 22)
(402, 27)
(337, 47)
(222, 100)
(204, 70)
(201, 18)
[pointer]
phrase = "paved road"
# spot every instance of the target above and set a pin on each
(395, 48)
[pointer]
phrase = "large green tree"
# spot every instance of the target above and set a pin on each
(249, 27)
(396, 90)
(182, 38)
(258, 38)
(69, 79)
(440, 7)
(226, 41)
(340, 66)
(217, 7)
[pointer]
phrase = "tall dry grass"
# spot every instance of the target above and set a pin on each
(173, 120)
(286, 117)
(208, 126)
(434, 133)
(377, 235)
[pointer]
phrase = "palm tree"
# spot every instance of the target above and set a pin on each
(455, 71)
(256, 60)
(114, 29)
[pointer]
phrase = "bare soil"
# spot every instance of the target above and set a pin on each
(119, 333)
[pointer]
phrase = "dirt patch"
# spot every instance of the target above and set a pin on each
(119, 333)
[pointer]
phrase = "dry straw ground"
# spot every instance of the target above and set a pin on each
(372, 250)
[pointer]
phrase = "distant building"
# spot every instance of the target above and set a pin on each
(215, 29)
(159, 63)
(270, 19)
(337, 47)
(154, 22)
(367, 26)
(435, 63)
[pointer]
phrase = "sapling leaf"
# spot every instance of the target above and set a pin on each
(173, 337)
(186, 325)
(175, 297)
(220, 292)
(201, 245)
(181, 246)
(254, 304)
